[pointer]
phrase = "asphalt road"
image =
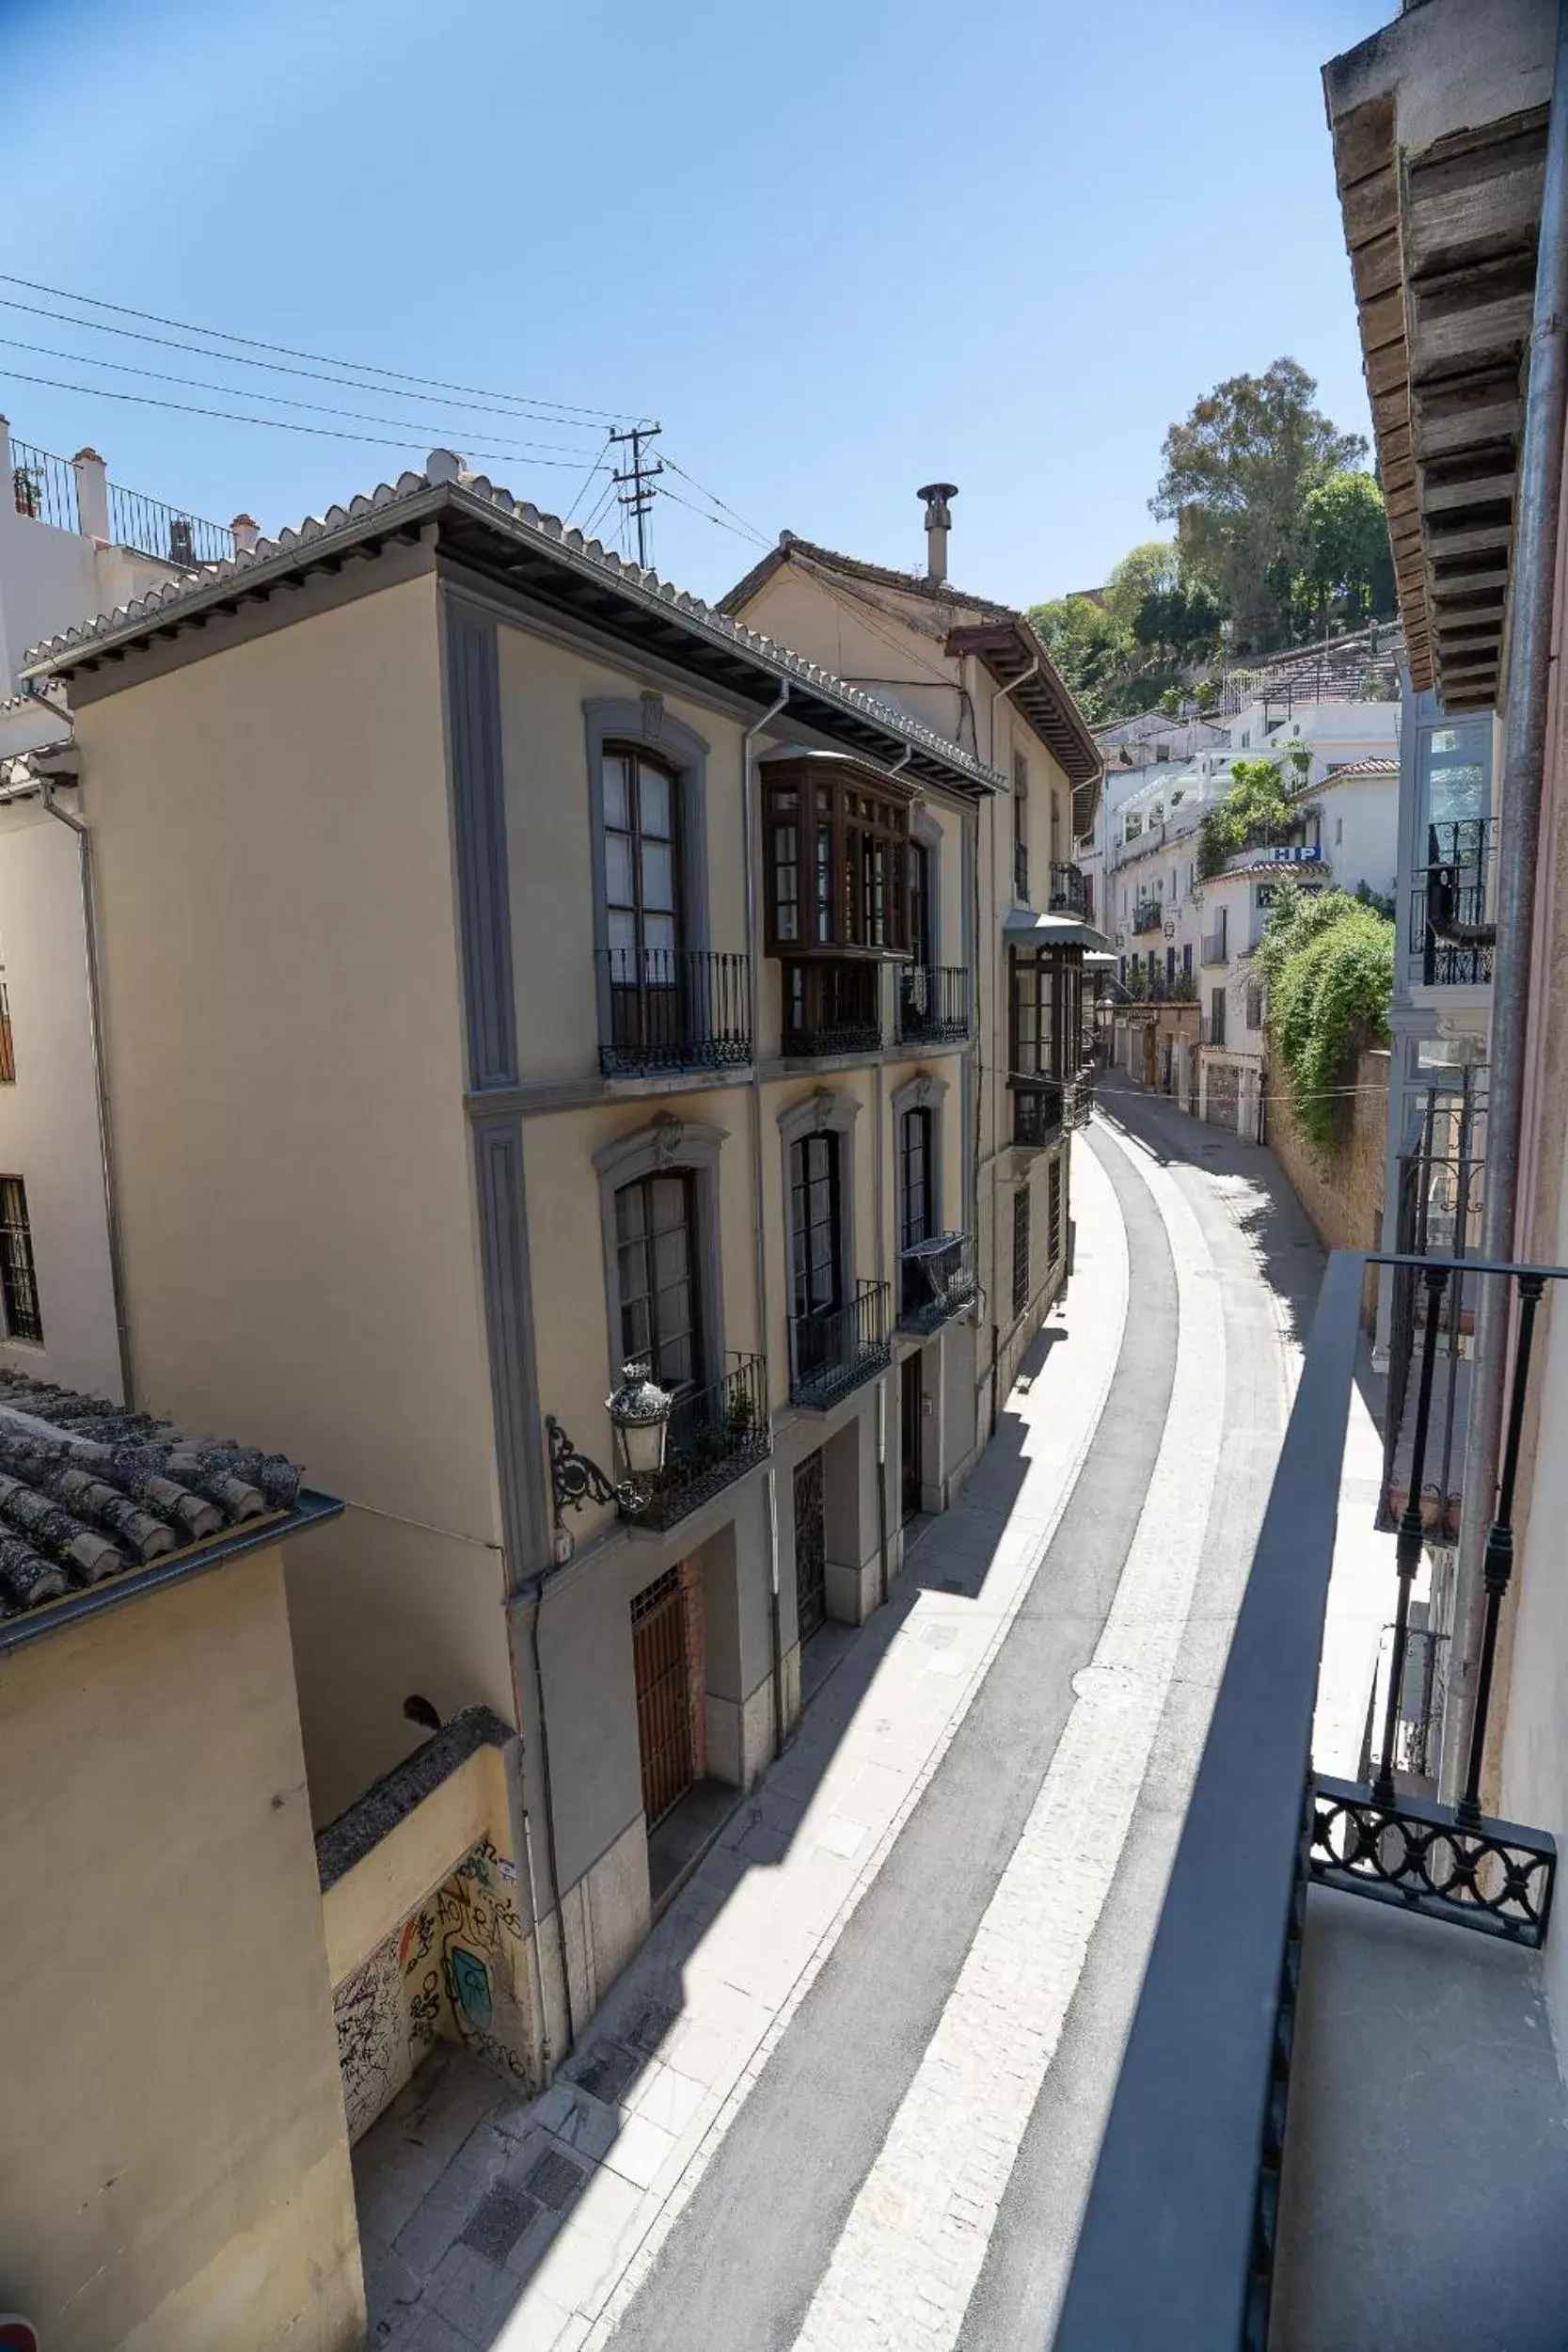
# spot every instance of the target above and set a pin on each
(739, 2270)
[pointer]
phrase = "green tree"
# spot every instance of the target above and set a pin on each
(1088, 647)
(1328, 963)
(1257, 808)
(1238, 472)
(1348, 555)
(1144, 571)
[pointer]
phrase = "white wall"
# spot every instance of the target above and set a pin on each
(49, 1132)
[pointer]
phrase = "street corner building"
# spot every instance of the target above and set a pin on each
(509, 970)
(172, 2143)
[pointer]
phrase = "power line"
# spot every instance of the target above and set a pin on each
(274, 367)
(274, 424)
(718, 521)
(255, 343)
(716, 500)
(587, 479)
(280, 400)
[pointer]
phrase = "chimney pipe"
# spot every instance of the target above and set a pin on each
(939, 522)
(246, 530)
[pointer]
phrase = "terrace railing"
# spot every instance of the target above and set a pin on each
(1210, 2043)
(1451, 928)
(673, 1009)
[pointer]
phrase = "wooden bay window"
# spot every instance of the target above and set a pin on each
(837, 859)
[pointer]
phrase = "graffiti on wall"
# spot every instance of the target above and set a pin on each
(449, 1971)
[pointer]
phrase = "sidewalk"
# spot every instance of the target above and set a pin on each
(487, 2221)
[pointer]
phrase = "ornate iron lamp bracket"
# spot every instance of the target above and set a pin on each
(575, 1479)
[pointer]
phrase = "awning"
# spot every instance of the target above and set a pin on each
(1023, 928)
(1100, 960)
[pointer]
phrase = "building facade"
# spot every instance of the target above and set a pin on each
(622, 968)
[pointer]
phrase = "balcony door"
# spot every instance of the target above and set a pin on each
(817, 1230)
(914, 1165)
(660, 1312)
(641, 853)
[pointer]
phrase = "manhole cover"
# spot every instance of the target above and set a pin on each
(499, 2218)
(951, 1584)
(555, 2180)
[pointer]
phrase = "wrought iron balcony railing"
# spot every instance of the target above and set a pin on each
(151, 528)
(716, 1435)
(1039, 1111)
(1214, 2026)
(1451, 923)
(834, 1348)
(933, 1003)
(936, 1281)
(832, 1005)
(1070, 891)
(1440, 1178)
(43, 486)
(673, 1009)
(1149, 915)
(1080, 1097)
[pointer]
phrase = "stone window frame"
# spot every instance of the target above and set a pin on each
(827, 1110)
(924, 1092)
(641, 723)
(668, 1146)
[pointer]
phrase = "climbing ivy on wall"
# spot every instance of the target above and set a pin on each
(1329, 965)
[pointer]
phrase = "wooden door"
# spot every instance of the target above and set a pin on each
(662, 1670)
(908, 1435)
(811, 1546)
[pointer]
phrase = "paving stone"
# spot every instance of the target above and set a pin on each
(606, 2071)
(475, 2295)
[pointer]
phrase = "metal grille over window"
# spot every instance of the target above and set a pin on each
(18, 1281)
(1021, 1249)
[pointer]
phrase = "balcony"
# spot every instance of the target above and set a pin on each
(936, 1281)
(833, 1350)
(673, 1009)
(1337, 2065)
(1071, 892)
(1439, 1179)
(1149, 915)
(1449, 925)
(1041, 1110)
(933, 1004)
(716, 1435)
(831, 1006)
(1213, 948)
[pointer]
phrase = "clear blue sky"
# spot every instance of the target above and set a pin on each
(838, 249)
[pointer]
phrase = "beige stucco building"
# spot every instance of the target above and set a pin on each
(511, 967)
(173, 2153)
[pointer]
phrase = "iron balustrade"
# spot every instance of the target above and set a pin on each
(148, 526)
(1439, 1181)
(833, 1349)
(1070, 891)
(673, 1009)
(1040, 1110)
(44, 487)
(1149, 915)
(1080, 1098)
(1451, 924)
(933, 1003)
(936, 1281)
(1213, 2033)
(832, 1006)
(716, 1435)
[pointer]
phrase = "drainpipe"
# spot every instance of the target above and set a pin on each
(100, 1083)
(1530, 666)
(749, 832)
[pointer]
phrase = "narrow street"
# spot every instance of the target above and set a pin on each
(848, 2095)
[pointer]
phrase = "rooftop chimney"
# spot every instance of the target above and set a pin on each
(246, 530)
(939, 522)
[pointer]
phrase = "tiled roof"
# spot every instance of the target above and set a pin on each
(90, 1493)
(415, 497)
(874, 575)
(1362, 768)
(21, 769)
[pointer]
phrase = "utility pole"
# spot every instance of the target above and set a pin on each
(640, 497)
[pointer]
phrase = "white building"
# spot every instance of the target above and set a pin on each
(72, 545)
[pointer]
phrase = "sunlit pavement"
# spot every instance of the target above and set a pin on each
(849, 2094)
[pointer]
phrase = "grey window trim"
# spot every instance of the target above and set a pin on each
(927, 834)
(668, 1146)
(924, 1091)
(827, 1111)
(643, 724)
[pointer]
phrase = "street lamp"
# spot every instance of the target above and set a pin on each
(639, 1413)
